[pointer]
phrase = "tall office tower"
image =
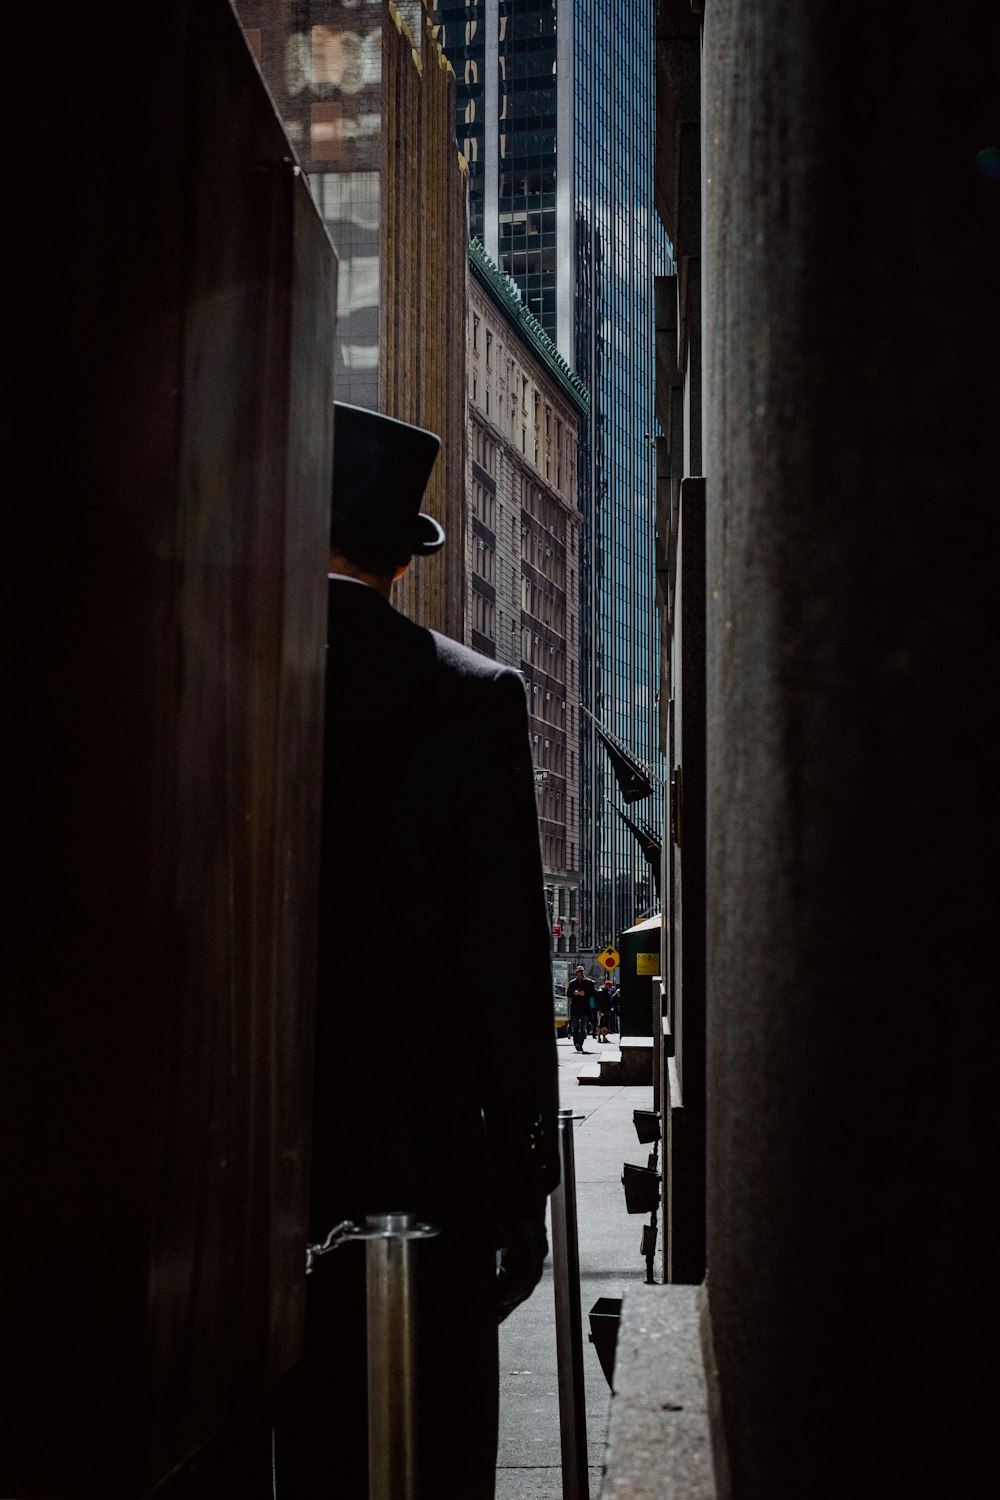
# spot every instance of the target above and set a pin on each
(620, 246)
(555, 107)
(514, 64)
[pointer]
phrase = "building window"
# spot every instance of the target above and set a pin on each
(325, 132)
(327, 66)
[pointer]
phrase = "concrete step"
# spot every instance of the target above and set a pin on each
(593, 1072)
(637, 1059)
(604, 1067)
(631, 1062)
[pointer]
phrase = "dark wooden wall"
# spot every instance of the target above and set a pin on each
(174, 299)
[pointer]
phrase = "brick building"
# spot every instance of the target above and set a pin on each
(525, 407)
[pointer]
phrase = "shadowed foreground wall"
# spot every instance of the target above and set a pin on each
(850, 280)
(173, 320)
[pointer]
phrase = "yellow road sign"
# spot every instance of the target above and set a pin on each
(609, 959)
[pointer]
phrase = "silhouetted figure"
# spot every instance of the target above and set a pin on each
(582, 1006)
(430, 865)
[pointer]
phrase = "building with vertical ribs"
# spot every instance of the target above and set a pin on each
(555, 106)
(367, 98)
(525, 410)
(514, 61)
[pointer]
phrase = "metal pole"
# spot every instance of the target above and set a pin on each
(392, 1388)
(569, 1324)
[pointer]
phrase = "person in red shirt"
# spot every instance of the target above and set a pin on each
(607, 1000)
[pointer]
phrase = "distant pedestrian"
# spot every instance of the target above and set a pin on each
(582, 995)
(606, 997)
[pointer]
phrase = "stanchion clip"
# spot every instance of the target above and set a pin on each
(338, 1234)
(376, 1227)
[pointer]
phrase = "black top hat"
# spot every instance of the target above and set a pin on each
(380, 471)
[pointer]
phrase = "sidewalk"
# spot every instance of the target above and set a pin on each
(528, 1462)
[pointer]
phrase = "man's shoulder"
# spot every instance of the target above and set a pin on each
(379, 628)
(414, 663)
(459, 664)
(465, 662)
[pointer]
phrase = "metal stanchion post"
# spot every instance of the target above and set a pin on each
(392, 1456)
(392, 1388)
(391, 1311)
(569, 1324)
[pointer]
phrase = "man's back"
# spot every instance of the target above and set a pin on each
(430, 871)
(430, 867)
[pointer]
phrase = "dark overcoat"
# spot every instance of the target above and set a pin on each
(432, 892)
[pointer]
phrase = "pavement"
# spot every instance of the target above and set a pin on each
(529, 1463)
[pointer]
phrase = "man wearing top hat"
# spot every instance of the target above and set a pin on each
(430, 867)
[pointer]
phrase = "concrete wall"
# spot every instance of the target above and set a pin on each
(850, 279)
(680, 527)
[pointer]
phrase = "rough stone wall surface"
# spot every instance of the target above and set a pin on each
(659, 1438)
(851, 324)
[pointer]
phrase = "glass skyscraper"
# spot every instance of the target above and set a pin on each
(514, 64)
(620, 247)
(555, 119)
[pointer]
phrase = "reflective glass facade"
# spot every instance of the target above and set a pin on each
(462, 34)
(620, 246)
(528, 154)
(555, 118)
(514, 70)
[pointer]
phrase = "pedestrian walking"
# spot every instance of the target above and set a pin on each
(582, 1006)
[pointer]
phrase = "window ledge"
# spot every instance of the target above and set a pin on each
(659, 1437)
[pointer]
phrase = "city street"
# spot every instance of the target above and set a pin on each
(528, 1464)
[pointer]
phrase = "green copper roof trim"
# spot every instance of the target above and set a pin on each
(505, 295)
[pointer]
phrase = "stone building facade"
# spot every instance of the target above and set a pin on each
(525, 407)
(367, 99)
